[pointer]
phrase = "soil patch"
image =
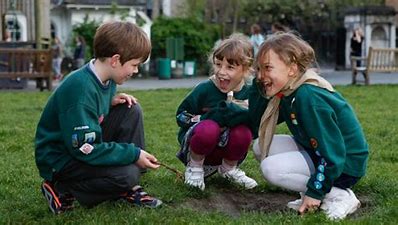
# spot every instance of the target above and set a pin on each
(234, 202)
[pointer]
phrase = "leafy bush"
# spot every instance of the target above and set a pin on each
(199, 37)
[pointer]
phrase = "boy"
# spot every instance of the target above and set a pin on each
(84, 139)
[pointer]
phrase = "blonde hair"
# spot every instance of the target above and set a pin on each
(290, 48)
(236, 49)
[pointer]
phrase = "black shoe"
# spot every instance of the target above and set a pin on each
(57, 203)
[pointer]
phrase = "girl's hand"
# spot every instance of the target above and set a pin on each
(124, 98)
(309, 205)
(147, 160)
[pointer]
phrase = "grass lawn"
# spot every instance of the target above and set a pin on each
(22, 203)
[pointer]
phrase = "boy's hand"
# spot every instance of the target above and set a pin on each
(309, 205)
(124, 98)
(147, 160)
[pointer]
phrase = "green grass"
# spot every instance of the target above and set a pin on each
(22, 203)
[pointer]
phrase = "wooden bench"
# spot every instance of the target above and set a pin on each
(378, 60)
(16, 63)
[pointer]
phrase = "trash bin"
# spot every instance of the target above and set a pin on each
(163, 68)
(189, 68)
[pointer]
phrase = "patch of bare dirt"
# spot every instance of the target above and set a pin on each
(234, 202)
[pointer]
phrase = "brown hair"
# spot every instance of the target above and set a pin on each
(123, 38)
(290, 48)
(255, 29)
(236, 49)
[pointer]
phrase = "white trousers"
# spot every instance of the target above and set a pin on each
(287, 165)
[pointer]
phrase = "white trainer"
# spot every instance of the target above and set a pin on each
(339, 203)
(194, 176)
(295, 205)
(238, 176)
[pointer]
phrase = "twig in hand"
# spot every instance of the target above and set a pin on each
(178, 173)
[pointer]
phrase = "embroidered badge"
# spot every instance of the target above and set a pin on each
(314, 143)
(86, 148)
(75, 141)
(81, 128)
(317, 185)
(293, 118)
(89, 137)
(321, 168)
(101, 118)
(323, 162)
(320, 177)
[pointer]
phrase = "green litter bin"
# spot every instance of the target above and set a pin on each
(163, 68)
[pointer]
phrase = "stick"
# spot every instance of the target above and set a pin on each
(178, 173)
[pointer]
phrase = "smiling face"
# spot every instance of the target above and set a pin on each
(229, 76)
(273, 73)
(122, 73)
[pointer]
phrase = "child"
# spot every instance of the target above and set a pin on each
(327, 152)
(84, 139)
(212, 132)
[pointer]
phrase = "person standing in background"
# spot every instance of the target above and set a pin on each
(57, 57)
(356, 43)
(256, 38)
(79, 53)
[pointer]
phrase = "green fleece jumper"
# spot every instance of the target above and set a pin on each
(69, 127)
(327, 127)
(209, 102)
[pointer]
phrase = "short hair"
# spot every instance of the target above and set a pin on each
(290, 49)
(255, 28)
(123, 38)
(236, 49)
(278, 27)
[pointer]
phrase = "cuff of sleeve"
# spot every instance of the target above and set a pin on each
(314, 194)
(137, 151)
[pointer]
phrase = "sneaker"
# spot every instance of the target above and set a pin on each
(56, 203)
(139, 197)
(296, 204)
(339, 203)
(238, 176)
(194, 176)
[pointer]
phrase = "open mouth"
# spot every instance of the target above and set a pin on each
(224, 83)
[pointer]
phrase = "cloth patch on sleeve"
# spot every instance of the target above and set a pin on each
(75, 141)
(89, 137)
(81, 128)
(314, 143)
(86, 148)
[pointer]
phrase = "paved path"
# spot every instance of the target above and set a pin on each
(333, 76)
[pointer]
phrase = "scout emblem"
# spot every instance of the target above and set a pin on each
(89, 137)
(317, 185)
(86, 148)
(313, 143)
(293, 118)
(75, 141)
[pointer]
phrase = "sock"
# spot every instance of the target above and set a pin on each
(195, 163)
(225, 167)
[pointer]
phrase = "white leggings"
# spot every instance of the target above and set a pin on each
(287, 165)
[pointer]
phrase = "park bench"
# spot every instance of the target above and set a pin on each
(378, 60)
(18, 63)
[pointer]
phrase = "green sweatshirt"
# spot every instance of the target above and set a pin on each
(209, 102)
(69, 127)
(326, 126)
